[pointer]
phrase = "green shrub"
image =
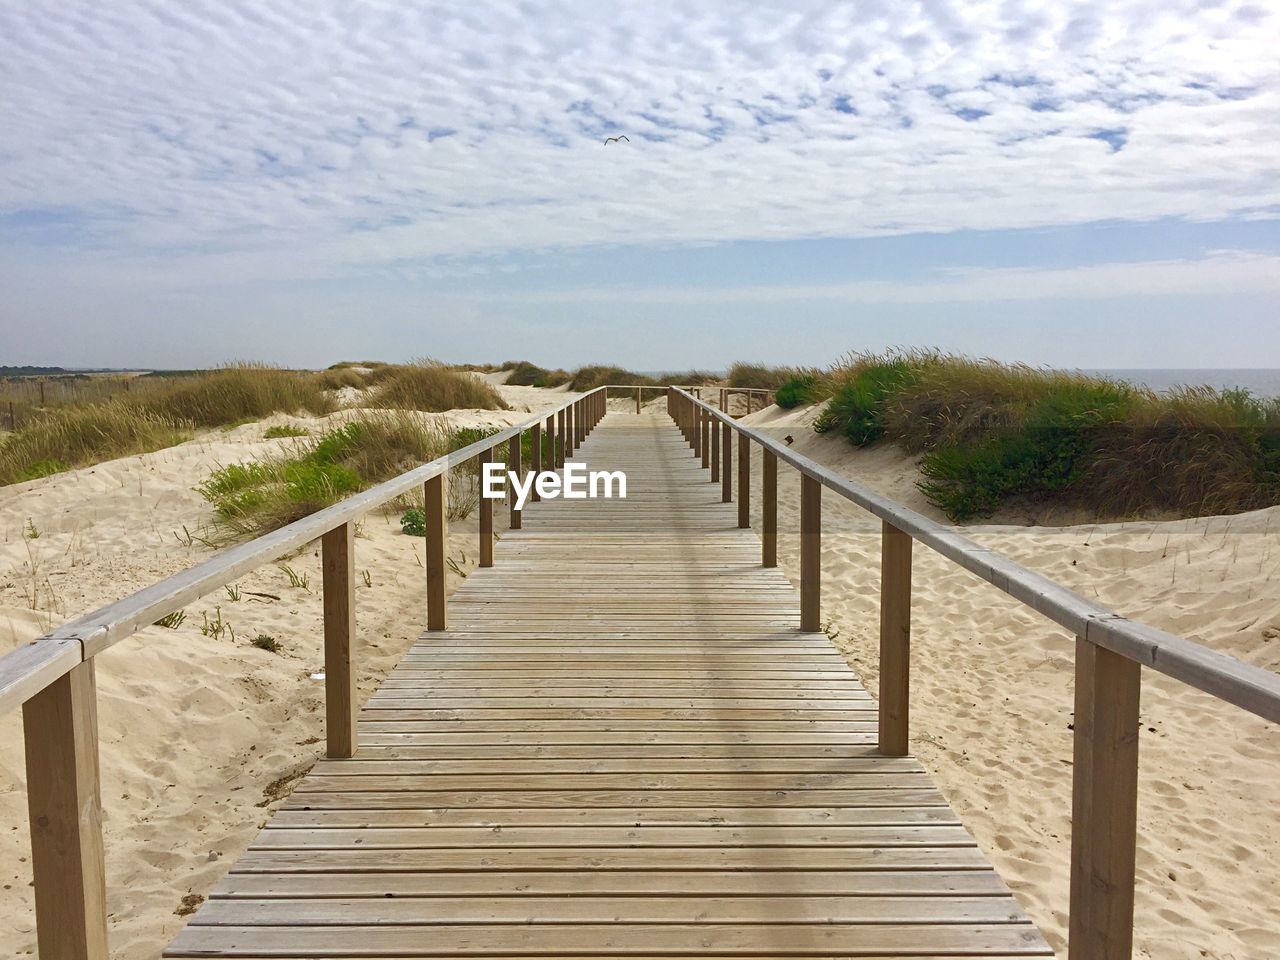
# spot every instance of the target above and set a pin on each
(526, 374)
(266, 642)
(414, 522)
(858, 405)
(798, 391)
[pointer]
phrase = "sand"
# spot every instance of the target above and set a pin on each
(201, 735)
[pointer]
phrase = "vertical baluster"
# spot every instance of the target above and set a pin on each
(744, 480)
(726, 463)
(1104, 804)
(895, 640)
(64, 799)
(514, 465)
(437, 500)
(768, 508)
(338, 582)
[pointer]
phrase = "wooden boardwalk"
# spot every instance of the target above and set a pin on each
(623, 746)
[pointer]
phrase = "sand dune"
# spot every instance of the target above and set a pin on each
(200, 734)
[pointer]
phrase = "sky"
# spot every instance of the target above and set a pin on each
(1091, 184)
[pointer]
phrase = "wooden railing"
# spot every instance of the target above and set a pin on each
(52, 678)
(1111, 651)
(764, 395)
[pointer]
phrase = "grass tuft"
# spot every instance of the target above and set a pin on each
(427, 385)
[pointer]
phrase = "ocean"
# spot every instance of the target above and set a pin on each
(1261, 382)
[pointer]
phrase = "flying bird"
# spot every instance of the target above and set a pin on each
(616, 139)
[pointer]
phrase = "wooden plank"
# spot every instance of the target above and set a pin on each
(847, 940)
(354, 911)
(338, 577)
(675, 883)
(618, 817)
(60, 730)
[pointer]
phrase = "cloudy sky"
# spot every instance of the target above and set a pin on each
(1079, 183)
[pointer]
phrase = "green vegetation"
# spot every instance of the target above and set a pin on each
(285, 430)
(252, 498)
(590, 377)
(414, 522)
(760, 377)
(172, 621)
(992, 434)
(797, 391)
(526, 374)
(235, 394)
(426, 385)
(73, 436)
(266, 642)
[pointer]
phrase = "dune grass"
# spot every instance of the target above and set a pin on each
(797, 391)
(760, 377)
(154, 413)
(595, 375)
(255, 497)
(992, 434)
(430, 386)
(74, 436)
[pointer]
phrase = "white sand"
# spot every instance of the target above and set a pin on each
(195, 730)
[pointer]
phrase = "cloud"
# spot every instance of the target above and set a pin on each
(300, 138)
(1222, 273)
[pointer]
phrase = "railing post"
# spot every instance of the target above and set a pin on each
(513, 464)
(64, 799)
(551, 442)
(435, 492)
(535, 433)
(338, 580)
(810, 551)
(560, 452)
(696, 429)
(768, 508)
(715, 451)
(708, 439)
(638, 388)
(486, 513)
(744, 480)
(895, 640)
(726, 463)
(1104, 804)
(569, 441)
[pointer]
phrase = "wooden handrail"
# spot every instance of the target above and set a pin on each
(1110, 653)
